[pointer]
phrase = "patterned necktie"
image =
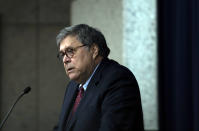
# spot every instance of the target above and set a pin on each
(78, 99)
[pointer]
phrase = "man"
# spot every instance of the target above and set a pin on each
(102, 94)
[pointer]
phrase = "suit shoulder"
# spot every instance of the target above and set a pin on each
(116, 69)
(117, 77)
(114, 72)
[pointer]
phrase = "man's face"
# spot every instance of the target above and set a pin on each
(82, 64)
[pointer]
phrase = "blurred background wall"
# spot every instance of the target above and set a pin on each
(28, 58)
(28, 53)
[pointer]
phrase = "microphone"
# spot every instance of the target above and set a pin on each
(25, 91)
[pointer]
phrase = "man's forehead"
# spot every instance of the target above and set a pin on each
(69, 41)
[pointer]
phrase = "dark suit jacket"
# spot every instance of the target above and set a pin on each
(110, 103)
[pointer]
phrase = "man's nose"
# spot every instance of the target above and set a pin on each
(66, 59)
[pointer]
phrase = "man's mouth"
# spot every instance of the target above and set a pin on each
(70, 69)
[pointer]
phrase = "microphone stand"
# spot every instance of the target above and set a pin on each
(26, 90)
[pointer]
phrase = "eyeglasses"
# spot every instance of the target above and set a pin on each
(69, 52)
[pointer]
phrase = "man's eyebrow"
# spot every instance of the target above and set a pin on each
(69, 47)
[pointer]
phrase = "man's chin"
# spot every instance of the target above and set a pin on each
(74, 78)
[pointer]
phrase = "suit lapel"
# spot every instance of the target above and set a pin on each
(97, 76)
(68, 101)
(91, 86)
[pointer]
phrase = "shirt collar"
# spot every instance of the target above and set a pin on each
(87, 82)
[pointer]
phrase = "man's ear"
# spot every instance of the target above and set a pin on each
(95, 50)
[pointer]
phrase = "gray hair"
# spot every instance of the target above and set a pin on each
(87, 36)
